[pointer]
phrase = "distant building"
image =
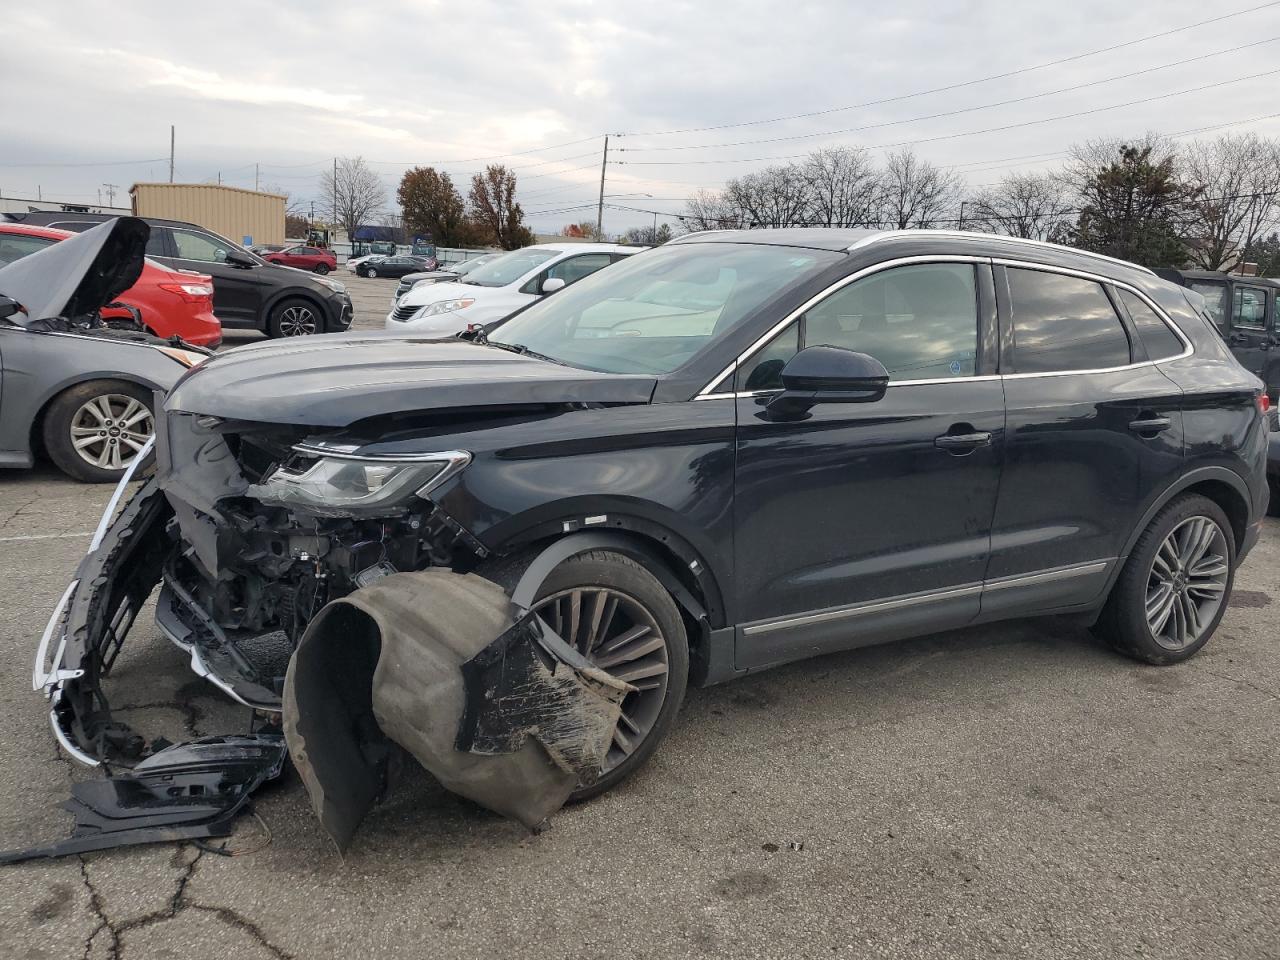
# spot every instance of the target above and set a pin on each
(26, 205)
(247, 216)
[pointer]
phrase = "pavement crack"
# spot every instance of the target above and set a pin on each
(104, 923)
(234, 919)
(1268, 694)
(17, 512)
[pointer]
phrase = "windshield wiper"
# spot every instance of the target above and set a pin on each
(524, 351)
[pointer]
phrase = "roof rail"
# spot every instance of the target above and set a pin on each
(1001, 238)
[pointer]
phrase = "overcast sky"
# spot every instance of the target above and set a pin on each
(86, 85)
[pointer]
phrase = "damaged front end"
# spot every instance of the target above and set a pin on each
(328, 593)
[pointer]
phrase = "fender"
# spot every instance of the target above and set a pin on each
(571, 521)
(711, 655)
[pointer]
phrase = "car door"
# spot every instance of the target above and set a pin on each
(869, 521)
(238, 291)
(1094, 431)
(1249, 337)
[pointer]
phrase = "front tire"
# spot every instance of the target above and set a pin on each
(294, 317)
(1174, 588)
(94, 431)
(623, 620)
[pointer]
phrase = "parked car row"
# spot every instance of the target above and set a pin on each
(440, 274)
(249, 292)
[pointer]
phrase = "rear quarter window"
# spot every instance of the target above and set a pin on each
(1161, 342)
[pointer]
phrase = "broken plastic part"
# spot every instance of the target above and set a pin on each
(184, 792)
(446, 667)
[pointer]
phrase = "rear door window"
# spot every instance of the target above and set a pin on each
(1160, 341)
(1063, 323)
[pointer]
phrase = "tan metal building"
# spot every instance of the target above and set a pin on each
(236, 214)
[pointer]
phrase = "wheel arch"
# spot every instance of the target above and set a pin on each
(293, 293)
(1224, 487)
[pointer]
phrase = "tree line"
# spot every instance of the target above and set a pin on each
(1209, 203)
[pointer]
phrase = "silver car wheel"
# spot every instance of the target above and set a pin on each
(1187, 583)
(110, 430)
(620, 636)
(297, 321)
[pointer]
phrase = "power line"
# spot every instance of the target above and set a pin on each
(971, 133)
(952, 113)
(956, 86)
(98, 163)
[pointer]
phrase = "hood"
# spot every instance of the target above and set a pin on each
(429, 275)
(446, 290)
(79, 275)
(337, 380)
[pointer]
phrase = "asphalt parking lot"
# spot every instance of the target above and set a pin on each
(1015, 790)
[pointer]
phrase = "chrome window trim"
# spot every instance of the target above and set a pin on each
(710, 393)
(709, 389)
(991, 238)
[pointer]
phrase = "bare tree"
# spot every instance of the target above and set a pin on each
(1238, 176)
(915, 192)
(1028, 205)
(772, 197)
(843, 185)
(494, 206)
(707, 210)
(355, 196)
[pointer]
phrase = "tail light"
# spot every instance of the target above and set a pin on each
(1264, 403)
(189, 292)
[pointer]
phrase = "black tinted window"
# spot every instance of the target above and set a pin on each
(920, 321)
(1160, 341)
(1063, 323)
(14, 246)
(1215, 300)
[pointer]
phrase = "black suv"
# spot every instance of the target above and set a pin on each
(730, 452)
(248, 292)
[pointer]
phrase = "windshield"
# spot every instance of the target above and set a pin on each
(509, 267)
(467, 266)
(652, 312)
(1215, 300)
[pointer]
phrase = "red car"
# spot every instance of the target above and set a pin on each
(170, 301)
(304, 258)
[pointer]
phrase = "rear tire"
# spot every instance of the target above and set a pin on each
(321, 268)
(1175, 586)
(92, 431)
(639, 600)
(370, 272)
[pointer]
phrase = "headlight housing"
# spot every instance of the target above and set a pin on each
(335, 285)
(331, 483)
(447, 306)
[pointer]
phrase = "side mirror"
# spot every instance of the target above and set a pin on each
(552, 284)
(826, 374)
(237, 259)
(8, 307)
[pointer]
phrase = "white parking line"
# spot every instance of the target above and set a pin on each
(50, 536)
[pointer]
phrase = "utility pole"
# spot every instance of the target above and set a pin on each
(333, 226)
(219, 178)
(111, 189)
(960, 226)
(255, 176)
(600, 206)
(171, 141)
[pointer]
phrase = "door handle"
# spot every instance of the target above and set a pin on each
(1150, 425)
(962, 442)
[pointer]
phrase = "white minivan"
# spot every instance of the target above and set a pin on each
(502, 286)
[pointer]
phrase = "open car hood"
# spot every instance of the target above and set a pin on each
(79, 275)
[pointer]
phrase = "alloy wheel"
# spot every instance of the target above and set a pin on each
(110, 430)
(617, 634)
(1187, 583)
(297, 321)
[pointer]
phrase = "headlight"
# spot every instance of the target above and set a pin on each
(447, 306)
(341, 484)
(333, 285)
(188, 358)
